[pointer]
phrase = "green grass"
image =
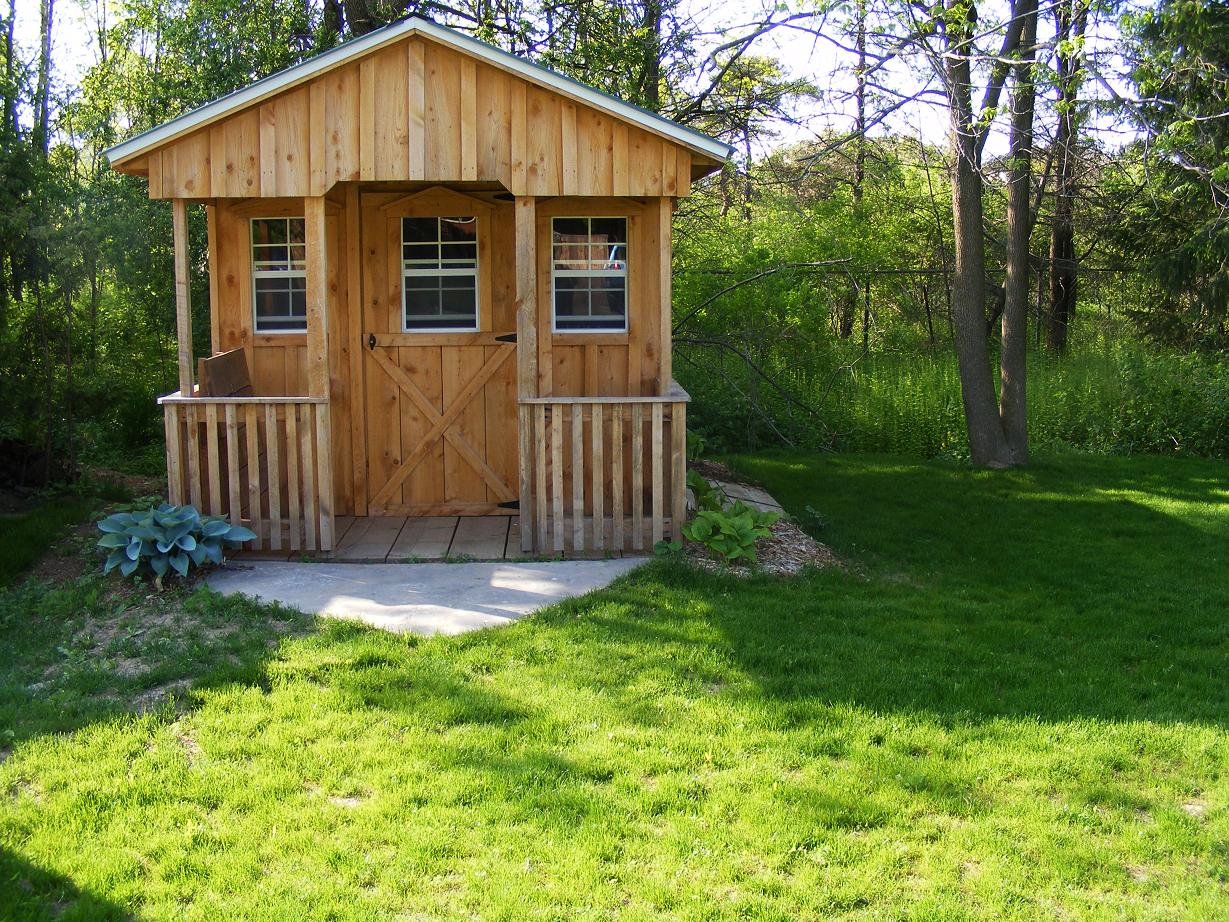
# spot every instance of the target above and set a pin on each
(1014, 705)
(24, 537)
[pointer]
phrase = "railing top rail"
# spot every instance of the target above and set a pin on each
(178, 398)
(676, 395)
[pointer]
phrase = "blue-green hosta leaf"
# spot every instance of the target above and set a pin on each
(198, 554)
(128, 567)
(239, 533)
(146, 532)
(113, 540)
(180, 563)
(211, 528)
(187, 542)
(114, 559)
(212, 548)
(115, 524)
(134, 549)
(159, 565)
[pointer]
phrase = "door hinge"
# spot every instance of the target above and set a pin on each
(511, 504)
(506, 338)
(371, 341)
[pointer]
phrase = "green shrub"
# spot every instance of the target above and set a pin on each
(167, 538)
(707, 496)
(731, 532)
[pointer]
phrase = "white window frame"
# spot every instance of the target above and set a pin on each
(276, 273)
(432, 272)
(623, 273)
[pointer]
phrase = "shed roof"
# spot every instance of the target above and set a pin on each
(355, 48)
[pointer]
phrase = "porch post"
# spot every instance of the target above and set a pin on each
(666, 243)
(183, 294)
(526, 354)
(315, 222)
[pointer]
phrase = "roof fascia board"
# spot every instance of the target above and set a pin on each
(372, 41)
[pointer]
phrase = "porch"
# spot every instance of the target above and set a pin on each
(355, 431)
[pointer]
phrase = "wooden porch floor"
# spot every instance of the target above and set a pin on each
(405, 539)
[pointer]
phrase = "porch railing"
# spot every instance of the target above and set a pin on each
(262, 461)
(605, 473)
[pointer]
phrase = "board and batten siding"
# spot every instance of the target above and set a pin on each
(373, 120)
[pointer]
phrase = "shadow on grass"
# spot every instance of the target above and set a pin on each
(29, 893)
(1075, 589)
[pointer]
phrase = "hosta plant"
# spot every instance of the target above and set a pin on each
(731, 532)
(166, 538)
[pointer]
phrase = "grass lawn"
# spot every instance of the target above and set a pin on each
(1014, 705)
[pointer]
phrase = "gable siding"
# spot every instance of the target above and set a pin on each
(417, 110)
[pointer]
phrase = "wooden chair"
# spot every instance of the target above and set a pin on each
(224, 375)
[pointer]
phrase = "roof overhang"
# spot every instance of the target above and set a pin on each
(414, 25)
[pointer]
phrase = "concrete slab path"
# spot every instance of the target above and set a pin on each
(424, 598)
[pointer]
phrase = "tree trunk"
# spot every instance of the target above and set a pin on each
(1016, 288)
(42, 93)
(10, 75)
(859, 164)
(1071, 18)
(651, 73)
(987, 444)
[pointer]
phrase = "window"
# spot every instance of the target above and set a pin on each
(279, 275)
(439, 274)
(589, 273)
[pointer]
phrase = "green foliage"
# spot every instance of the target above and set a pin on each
(731, 532)
(167, 538)
(707, 497)
(24, 538)
(668, 549)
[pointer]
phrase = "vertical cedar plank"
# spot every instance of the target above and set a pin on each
(659, 512)
(194, 455)
(578, 477)
(417, 88)
(213, 460)
(539, 437)
(619, 168)
(252, 421)
(597, 481)
(519, 142)
(469, 119)
(637, 476)
(524, 435)
(268, 149)
(354, 296)
(234, 508)
(367, 119)
(317, 296)
(556, 474)
(307, 471)
(273, 473)
(567, 152)
(616, 478)
(321, 412)
(174, 459)
(183, 295)
(317, 129)
(294, 482)
(678, 469)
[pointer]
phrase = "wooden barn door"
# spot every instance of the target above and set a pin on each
(440, 406)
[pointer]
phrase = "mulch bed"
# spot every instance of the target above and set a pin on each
(788, 551)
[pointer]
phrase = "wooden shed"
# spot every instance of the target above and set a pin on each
(439, 285)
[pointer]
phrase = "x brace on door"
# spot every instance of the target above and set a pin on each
(441, 426)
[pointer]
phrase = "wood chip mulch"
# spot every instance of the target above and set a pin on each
(787, 551)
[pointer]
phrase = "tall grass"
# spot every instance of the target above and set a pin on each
(1119, 399)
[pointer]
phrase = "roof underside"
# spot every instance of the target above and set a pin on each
(708, 149)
